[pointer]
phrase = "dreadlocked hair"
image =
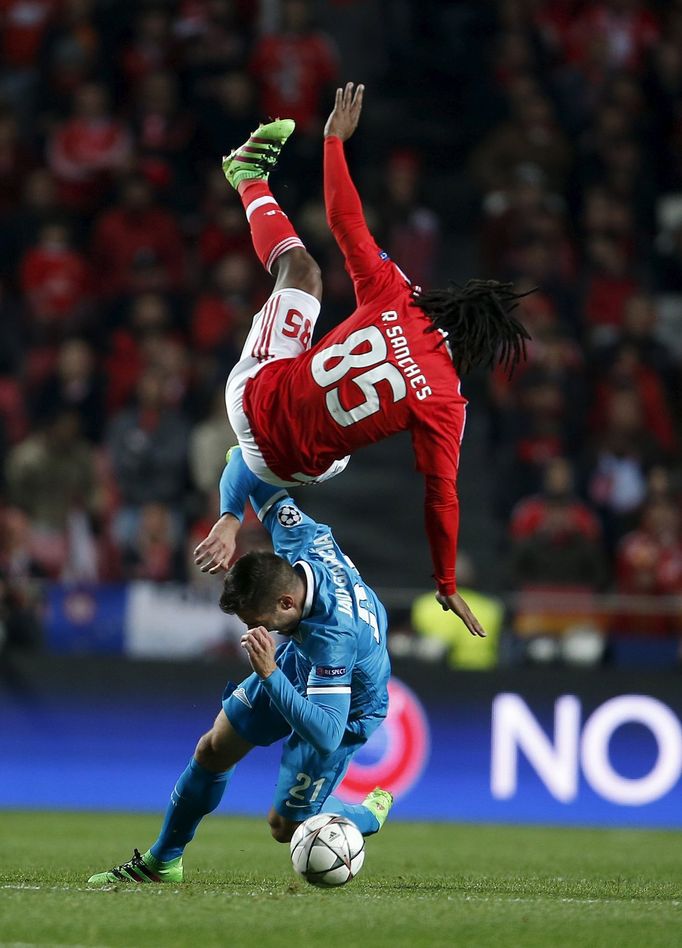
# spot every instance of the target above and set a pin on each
(476, 320)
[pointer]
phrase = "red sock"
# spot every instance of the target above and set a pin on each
(271, 230)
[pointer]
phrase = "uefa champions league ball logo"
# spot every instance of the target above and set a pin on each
(289, 516)
(396, 754)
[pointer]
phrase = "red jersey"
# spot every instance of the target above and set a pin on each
(379, 372)
(383, 370)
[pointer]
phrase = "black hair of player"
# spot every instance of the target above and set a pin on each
(478, 323)
(255, 583)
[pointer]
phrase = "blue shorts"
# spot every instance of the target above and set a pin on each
(306, 777)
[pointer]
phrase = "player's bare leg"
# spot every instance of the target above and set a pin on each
(281, 828)
(297, 270)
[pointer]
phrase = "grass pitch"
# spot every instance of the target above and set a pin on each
(422, 885)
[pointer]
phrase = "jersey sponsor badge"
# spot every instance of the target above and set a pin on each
(383, 255)
(289, 516)
(326, 671)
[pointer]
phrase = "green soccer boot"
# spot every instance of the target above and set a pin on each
(255, 159)
(379, 802)
(140, 868)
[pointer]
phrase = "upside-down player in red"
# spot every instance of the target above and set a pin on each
(394, 364)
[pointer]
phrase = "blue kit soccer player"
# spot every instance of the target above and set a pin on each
(324, 690)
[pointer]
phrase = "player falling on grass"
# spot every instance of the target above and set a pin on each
(324, 691)
(394, 364)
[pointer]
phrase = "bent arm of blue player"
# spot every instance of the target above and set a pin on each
(238, 483)
(319, 719)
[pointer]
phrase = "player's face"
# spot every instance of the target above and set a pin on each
(283, 617)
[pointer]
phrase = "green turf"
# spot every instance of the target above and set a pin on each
(422, 885)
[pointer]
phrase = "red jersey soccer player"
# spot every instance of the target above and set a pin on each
(394, 364)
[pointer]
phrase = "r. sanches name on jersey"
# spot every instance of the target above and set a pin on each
(324, 546)
(404, 360)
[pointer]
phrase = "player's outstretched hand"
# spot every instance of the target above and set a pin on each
(346, 112)
(213, 554)
(457, 605)
(260, 647)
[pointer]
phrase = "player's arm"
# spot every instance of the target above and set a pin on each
(290, 530)
(237, 485)
(321, 717)
(441, 514)
(369, 268)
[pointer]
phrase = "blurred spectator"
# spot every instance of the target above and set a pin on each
(209, 443)
(556, 539)
(295, 68)
(20, 598)
(226, 230)
(214, 35)
(15, 162)
(556, 549)
(151, 46)
(649, 563)
(154, 551)
(137, 245)
(88, 148)
(228, 307)
(530, 136)
(77, 385)
(148, 320)
(411, 230)
(626, 372)
(625, 29)
(23, 28)
(56, 280)
(37, 208)
(229, 113)
(622, 452)
(72, 47)
(148, 448)
(164, 132)
(609, 287)
(639, 335)
(51, 476)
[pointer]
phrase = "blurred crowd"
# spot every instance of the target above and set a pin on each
(128, 282)
(581, 185)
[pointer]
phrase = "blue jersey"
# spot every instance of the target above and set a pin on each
(341, 673)
(340, 643)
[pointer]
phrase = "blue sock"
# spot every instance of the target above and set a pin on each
(363, 818)
(197, 792)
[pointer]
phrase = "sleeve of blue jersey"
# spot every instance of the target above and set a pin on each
(291, 530)
(319, 719)
(237, 483)
(332, 653)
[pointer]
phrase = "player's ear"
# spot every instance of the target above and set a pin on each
(286, 602)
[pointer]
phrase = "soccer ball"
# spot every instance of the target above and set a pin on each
(327, 850)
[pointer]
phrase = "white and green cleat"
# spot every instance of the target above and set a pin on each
(379, 802)
(255, 159)
(141, 869)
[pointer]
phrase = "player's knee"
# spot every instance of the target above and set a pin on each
(282, 830)
(210, 753)
(298, 270)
